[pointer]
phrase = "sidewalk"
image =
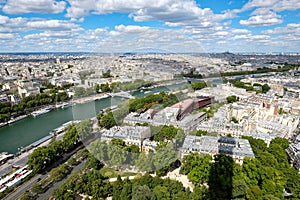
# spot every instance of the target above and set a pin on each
(22, 159)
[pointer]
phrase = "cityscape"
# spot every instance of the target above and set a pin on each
(150, 100)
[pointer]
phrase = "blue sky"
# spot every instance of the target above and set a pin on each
(165, 25)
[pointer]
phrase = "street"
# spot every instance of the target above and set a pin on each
(56, 185)
(23, 188)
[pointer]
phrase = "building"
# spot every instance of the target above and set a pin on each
(220, 92)
(237, 148)
(4, 98)
(178, 115)
(149, 145)
(189, 105)
(293, 152)
(131, 135)
(190, 122)
(15, 98)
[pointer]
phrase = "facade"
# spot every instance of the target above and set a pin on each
(294, 154)
(178, 115)
(237, 148)
(260, 118)
(149, 145)
(131, 135)
(189, 105)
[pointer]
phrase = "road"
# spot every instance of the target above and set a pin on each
(123, 177)
(24, 187)
(27, 185)
(173, 175)
(21, 160)
(17, 161)
(49, 192)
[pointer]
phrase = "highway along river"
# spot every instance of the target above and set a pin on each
(30, 129)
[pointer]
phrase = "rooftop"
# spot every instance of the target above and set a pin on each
(214, 145)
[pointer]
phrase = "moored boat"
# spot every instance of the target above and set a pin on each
(42, 111)
(16, 119)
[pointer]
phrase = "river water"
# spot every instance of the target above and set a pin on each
(30, 129)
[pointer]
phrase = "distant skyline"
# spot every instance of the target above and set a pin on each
(171, 26)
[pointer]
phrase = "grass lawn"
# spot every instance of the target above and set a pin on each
(112, 173)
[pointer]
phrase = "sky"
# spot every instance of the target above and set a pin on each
(170, 26)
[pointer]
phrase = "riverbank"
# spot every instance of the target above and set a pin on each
(21, 159)
(89, 98)
(30, 129)
(71, 102)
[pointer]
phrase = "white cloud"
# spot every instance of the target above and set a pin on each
(52, 25)
(172, 12)
(240, 31)
(190, 28)
(288, 29)
(289, 34)
(266, 12)
(50, 34)
(131, 28)
(34, 6)
(185, 14)
(286, 5)
(259, 3)
(275, 5)
(237, 37)
(6, 36)
(135, 38)
(49, 28)
(12, 25)
(3, 19)
(262, 20)
(260, 37)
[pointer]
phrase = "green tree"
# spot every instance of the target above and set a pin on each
(231, 99)
(117, 188)
(105, 87)
(26, 196)
(70, 138)
(38, 159)
(220, 179)
(118, 142)
(179, 138)
(145, 162)
(239, 188)
(257, 145)
(37, 188)
(284, 143)
(265, 88)
(164, 157)
(201, 132)
(116, 155)
(106, 75)
(97, 88)
(84, 128)
(167, 132)
(200, 172)
(126, 192)
(142, 192)
(108, 121)
(198, 85)
(233, 119)
(161, 193)
(79, 92)
(99, 150)
(253, 193)
(93, 163)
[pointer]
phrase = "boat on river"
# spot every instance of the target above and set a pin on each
(42, 111)
(16, 119)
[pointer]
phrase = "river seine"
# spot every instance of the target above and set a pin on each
(30, 129)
